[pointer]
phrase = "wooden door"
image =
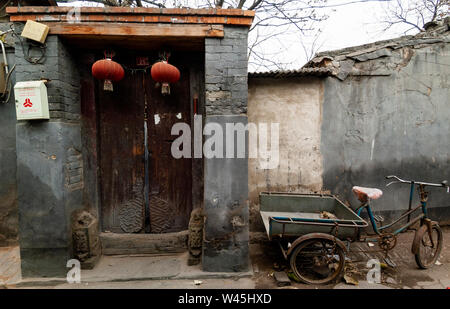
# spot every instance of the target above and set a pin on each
(170, 185)
(132, 202)
(122, 155)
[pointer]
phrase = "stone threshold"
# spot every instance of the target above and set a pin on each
(129, 244)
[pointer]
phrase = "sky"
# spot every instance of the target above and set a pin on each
(348, 25)
(354, 24)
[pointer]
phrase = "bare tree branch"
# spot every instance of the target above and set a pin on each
(414, 13)
(255, 4)
(274, 19)
(155, 3)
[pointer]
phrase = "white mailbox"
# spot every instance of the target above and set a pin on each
(31, 100)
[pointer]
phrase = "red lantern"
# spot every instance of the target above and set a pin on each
(109, 71)
(165, 73)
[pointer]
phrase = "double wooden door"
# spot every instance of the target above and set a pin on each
(143, 187)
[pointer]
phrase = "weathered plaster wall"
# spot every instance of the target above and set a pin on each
(9, 228)
(294, 103)
(49, 163)
(10, 271)
(225, 246)
(391, 120)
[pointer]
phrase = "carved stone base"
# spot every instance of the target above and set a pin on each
(86, 241)
(195, 240)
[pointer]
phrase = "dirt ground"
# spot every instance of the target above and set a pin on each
(267, 259)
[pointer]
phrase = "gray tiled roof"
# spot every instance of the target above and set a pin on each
(292, 73)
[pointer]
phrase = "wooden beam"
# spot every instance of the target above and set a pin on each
(134, 15)
(129, 10)
(136, 30)
(136, 18)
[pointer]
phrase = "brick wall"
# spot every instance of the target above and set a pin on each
(49, 161)
(225, 246)
(60, 68)
(226, 73)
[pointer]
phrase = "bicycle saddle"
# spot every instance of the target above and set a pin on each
(363, 194)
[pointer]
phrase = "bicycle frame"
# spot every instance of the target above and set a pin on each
(407, 214)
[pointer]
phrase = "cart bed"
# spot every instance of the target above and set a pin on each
(291, 214)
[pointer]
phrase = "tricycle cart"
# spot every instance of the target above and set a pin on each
(310, 229)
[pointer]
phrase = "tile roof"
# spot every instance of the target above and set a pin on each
(292, 73)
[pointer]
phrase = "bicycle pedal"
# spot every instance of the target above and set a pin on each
(378, 218)
(390, 262)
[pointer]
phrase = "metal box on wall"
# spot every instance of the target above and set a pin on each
(31, 100)
(35, 31)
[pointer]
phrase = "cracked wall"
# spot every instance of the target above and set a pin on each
(387, 113)
(294, 103)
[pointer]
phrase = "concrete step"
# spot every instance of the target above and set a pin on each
(128, 268)
(126, 244)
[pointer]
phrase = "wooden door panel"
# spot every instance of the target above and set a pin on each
(170, 195)
(122, 151)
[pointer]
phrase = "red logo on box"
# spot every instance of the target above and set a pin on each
(27, 103)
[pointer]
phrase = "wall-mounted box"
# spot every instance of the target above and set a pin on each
(35, 31)
(31, 100)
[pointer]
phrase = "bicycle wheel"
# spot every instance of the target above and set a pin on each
(318, 261)
(428, 252)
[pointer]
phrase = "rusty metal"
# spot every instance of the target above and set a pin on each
(387, 241)
(310, 236)
(418, 238)
(436, 244)
(354, 225)
(425, 228)
(283, 215)
(429, 226)
(400, 218)
(283, 251)
(423, 194)
(324, 260)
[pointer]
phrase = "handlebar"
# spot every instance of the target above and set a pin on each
(443, 184)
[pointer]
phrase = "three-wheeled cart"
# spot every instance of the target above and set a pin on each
(311, 230)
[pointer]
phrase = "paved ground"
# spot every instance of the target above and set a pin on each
(238, 283)
(167, 272)
(405, 275)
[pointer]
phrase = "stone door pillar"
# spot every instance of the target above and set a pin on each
(225, 247)
(49, 163)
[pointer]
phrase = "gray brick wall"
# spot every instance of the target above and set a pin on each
(225, 247)
(8, 190)
(60, 68)
(49, 161)
(226, 73)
